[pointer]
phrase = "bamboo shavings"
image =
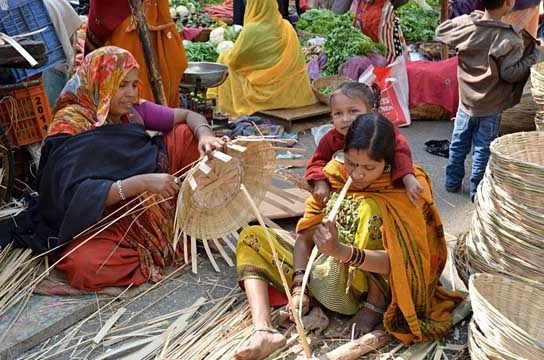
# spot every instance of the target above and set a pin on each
(18, 267)
(11, 209)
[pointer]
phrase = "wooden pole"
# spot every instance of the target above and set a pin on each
(443, 17)
(153, 72)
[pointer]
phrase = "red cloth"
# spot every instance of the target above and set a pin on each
(106, 260)
(434, 82)
(333, 141)
(190, 33)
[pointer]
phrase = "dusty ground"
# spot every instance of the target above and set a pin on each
(183, 290)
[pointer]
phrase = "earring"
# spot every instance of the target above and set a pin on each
(387, 168)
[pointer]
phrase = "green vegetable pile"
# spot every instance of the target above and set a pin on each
(200, 51)
(416, 23)
(344, 42)
(327, 90)
(197, 20)
(322, 21)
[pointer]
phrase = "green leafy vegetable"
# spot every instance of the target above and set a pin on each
(200, 51)
(344, 42)
(322, 21)
(416, 23)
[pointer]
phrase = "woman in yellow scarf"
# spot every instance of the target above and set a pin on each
(267, 69)
(381, 258)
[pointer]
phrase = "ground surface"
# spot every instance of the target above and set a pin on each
(182, 290)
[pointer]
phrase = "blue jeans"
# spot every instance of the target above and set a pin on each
(479, 131)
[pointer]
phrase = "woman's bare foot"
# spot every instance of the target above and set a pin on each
(366, 319)
(263, 343)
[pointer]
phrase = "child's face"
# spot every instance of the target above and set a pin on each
(344, 111)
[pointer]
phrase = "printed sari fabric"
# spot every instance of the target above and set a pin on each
(380, 217)
(378, 20)
(135, 248)
(266, 65)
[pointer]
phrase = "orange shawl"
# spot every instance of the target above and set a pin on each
(420, 309)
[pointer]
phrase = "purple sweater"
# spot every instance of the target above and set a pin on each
(155, 117)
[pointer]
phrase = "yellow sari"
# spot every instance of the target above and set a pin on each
(267, 69)
(420, 308)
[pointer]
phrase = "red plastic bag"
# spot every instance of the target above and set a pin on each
(393, 81)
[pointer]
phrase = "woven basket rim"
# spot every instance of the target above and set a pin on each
(480, 281)
(499, 144)
(323, 82)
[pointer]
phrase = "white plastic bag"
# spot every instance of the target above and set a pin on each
(393, 81)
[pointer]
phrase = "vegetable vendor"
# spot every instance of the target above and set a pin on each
(267, 69)
(111, 23)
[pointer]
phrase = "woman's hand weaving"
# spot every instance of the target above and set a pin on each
(326, 239)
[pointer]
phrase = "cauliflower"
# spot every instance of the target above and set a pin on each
(173, 13)
(187, 43)
(182, 11)
(217, 36)
(224, 45)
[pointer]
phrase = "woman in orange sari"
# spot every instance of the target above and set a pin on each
(111, 23)
(99, 162)
(380, 259)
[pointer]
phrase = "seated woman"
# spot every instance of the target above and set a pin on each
(96, 157)
(380, 260)
(267, 69)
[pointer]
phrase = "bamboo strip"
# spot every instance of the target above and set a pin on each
(298, 322)
(210, 255)
(223, 252)
(331, 216)
(108, 325)
(176, 327)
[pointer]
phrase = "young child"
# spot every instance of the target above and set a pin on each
(494, 64)
(348, 101)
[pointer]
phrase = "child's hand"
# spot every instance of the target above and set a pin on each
(321, 191)
(413, 188)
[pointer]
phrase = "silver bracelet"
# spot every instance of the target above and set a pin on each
(202, 125)
(120, 190)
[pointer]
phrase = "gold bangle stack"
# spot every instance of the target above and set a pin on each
(356, 258)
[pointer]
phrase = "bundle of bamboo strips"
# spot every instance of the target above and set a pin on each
(18, 267)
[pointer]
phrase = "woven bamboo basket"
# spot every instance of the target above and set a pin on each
(539, 120)
(520, 117)
(480, 348)
(507, 230)
(510, 315)
(425, 111)
(331, 82)
(537, 84)
(460, 258)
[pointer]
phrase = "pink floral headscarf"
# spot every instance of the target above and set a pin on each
(85, 100)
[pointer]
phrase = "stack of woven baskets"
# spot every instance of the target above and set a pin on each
(537, 89)
(507, 229)
(508, 319)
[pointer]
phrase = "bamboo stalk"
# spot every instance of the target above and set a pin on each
(299, 326)
(150, 57)
(358, 347)
(108, 325)
(331, 217)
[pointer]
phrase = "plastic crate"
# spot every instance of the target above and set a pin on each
(23, 16)
(25, 114)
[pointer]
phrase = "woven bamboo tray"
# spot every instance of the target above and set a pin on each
(510, 316)
(520, 117)
(332, 81)
(425, 111)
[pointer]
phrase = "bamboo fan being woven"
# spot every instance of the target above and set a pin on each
(508, 318)
(210, 204)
